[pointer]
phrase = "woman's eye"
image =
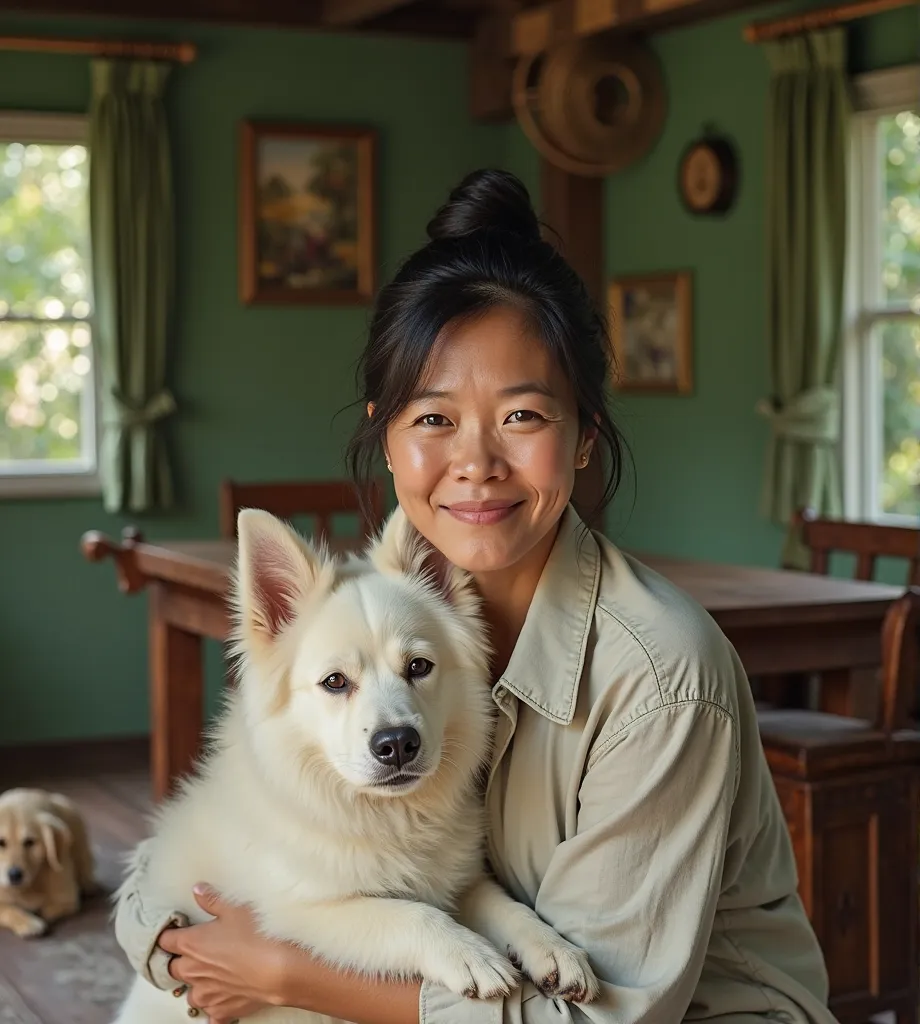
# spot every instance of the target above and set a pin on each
(523, 416)
(335, 682)
(419, 668)
(433, 419)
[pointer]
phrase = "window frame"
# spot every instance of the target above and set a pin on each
(875, 95)
(38, 479)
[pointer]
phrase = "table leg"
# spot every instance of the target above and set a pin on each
(176, 695)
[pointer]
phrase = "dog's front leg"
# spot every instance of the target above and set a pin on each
(398, 938)
(61, 905)
(24, 924)
(555, 966)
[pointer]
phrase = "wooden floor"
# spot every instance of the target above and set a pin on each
(77, 974)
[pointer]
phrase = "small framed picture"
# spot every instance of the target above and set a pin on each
(651, 331)
(307, 214)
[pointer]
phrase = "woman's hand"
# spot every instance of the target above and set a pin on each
(227, 969)
(230, 969)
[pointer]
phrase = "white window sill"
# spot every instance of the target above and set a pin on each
(60, 484)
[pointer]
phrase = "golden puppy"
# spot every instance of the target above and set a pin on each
(45, 860)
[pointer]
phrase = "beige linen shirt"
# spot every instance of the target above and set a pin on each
(630, 804)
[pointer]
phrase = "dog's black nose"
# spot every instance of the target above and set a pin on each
(396, 746)
(14, 875)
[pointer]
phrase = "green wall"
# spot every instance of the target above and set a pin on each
(258, 387)
(73, 649)
(699, 457)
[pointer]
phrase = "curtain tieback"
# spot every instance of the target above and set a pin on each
(133, 414)
(812, 417)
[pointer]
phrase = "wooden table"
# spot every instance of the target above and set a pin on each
(779, 622)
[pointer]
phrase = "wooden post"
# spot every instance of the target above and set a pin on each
(573, 206)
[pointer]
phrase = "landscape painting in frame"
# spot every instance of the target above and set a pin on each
(651, 331)
(307, 214)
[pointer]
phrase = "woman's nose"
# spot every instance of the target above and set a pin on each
(478, 459)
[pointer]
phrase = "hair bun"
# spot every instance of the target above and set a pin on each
(486, 199)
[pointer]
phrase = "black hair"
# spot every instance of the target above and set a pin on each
(485, 249)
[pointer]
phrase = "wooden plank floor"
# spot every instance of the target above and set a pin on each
(77, 974)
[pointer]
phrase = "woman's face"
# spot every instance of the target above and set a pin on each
(484, 456)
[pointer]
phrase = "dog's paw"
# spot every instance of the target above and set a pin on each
(557, 968)
(30, 927)
(473, 967)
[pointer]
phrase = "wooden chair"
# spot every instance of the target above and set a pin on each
(849, 792)
(322, 499)
(868, 541)
(845, 693)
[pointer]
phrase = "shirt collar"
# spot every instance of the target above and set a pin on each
(546, 665)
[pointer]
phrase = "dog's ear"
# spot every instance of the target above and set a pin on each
(56, 837)
(401, 549)
(275, 570)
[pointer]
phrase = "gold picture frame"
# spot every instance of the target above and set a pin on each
(651, 332)
(307, 217)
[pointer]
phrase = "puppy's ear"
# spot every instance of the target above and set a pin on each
(56, 838)
(275, 570)
(401, 549)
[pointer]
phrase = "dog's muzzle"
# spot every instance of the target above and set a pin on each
(15, 876)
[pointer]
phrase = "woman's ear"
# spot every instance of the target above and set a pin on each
(370, 409)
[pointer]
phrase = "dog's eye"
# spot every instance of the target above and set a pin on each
(28, 843)
(419, 668)
(336, 682)
(2, 844)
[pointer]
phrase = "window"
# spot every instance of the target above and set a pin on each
(882, 353)
(47, 392)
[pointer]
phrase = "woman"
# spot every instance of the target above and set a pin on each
(629, 800)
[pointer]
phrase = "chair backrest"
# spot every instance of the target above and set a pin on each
(322, 499)
(868, 541)
(899, 662)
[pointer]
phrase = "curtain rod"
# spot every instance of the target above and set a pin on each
(824, 17)
(181, 53)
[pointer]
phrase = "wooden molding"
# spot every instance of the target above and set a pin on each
(22, 761)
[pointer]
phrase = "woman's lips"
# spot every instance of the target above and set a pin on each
(482, 513)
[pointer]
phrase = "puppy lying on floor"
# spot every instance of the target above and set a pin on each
(46, 863)
(340, 799)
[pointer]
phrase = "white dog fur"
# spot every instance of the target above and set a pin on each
(290, 812)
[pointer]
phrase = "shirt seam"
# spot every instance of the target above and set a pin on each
(610, 740)
(642, 646)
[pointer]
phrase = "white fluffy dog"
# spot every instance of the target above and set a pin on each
(342, 797)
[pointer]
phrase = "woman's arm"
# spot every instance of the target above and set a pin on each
(139, 922)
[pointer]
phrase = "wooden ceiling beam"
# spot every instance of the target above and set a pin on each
(422, 19)
(550, 24)
(347, 13)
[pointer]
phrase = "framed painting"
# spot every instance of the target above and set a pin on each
(651, 331)
(307, 214)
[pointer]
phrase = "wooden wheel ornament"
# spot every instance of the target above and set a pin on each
(591, 106)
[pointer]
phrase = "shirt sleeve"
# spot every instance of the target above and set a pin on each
(138, 923)
(636, 886)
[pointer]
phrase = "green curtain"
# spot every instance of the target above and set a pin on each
(806, 211)
(132, 229)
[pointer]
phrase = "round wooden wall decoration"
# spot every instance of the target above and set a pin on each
(591, 106)
(708, 175)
